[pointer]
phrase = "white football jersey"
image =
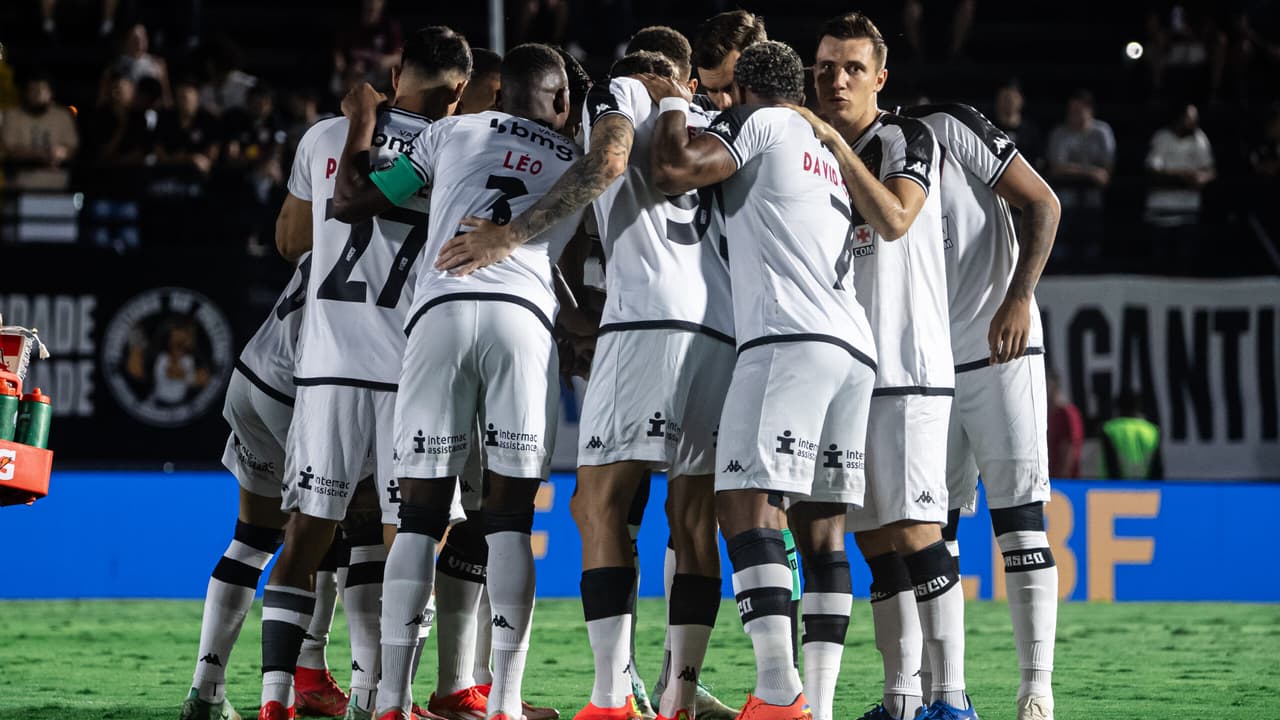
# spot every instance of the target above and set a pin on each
(787, 214)
(664, 263)
(978, 230)
(267, 360)
(496, 166)
(903, 283)
(362, 275)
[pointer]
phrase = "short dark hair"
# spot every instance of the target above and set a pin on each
(721, 34)
(772, 70)
(665, 41)
(643, 61)
(525, 66)
(579, 79)
(855, 25)
(37, 75)
(435, 50)
(1083, 96)
(485, 62)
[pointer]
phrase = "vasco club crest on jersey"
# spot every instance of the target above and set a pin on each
(167, 355)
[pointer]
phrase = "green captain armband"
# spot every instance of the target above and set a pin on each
(399, 180)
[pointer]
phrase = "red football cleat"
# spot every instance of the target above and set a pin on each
(420, 714)
(318, 693)
(393, 715)
(629, 711)
(275, 711)
(466, 704)
(757, 709)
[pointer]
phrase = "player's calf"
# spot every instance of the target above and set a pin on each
(508, 522)
(827, 599)
(1031, 581)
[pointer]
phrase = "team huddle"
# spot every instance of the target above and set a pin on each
(813, 323)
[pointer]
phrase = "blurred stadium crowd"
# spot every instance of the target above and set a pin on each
(126, 124)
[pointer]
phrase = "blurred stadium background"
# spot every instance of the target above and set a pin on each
(145, 147)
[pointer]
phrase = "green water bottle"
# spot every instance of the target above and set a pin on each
(34, 413)
(8, 410)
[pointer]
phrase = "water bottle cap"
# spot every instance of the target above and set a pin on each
(36, 396)
(7, 389)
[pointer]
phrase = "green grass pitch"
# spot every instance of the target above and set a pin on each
(132, 660)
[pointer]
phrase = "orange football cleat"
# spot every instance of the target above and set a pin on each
(757, 709)
(275, 711)
(629, 711)
(318, 693)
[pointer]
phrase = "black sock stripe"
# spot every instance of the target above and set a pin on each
(606, 592)
(828, 572)
(288, 601)
(262, 539)
(889, 576)
(933, 571)
(695, 600)
(756, 603)
(757, 547)
(366, 573)
(825, 628)
(1028, 560)
(234, 572)
(519, 521)
(423, 521)
(461, 566)
(281, 643)
(1026, 518)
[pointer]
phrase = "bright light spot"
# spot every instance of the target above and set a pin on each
(1133, 50)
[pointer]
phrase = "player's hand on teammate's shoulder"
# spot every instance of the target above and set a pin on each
(1010, 330)
(362, 101)
(486, 244)
(661, 87)
(826, 134)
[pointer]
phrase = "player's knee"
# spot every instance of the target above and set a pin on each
(1023, 518)
(501, 521)
(467, 538)
(423, 520)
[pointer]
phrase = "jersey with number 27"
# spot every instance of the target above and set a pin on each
(362, 275)
(494, 166)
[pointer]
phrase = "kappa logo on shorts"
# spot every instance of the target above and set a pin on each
(420, 443)
(832, 455)
(786, 443)
(656, 426)
(594, 443)
(305, 477)
(393, 492)
(733, 466)
(925, 498)
(491, 436)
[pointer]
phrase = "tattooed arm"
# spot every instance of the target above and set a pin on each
(611, 140)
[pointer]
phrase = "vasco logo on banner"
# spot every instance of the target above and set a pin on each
(167, 355)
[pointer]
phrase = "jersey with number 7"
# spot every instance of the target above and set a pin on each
(362, 275)
(494, 166)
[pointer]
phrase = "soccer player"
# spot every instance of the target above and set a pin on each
(891, 172)
(717, 46)
(477, 345)
(349, 350)
(999, 415)
(795, 418)
(481, 92)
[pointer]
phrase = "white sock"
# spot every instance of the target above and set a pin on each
(226, 603)
(632, 668)
(424, 632)
(286, 615)
(898, 637)
(926, 669)
(1031, 582)
(826, 622)
(762, 583)
(668, 576)
(482, 673)
(406, 587)
(362, 600)
(511, 588)
(315, 643)
(608, 606)
(940, 605)
(693, 604)
(457, 608)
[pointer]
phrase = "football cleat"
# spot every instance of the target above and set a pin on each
(275, 711)
(628, 711)
(531, 712)
(942, 711)
(877, 713)
(355, 713)
(757, 709)
(681, 714)
(393, 715)
(705, 705)
(318, 693)
(1035, 707)
(466, 704)
(641, 695)
(193, 708)
(420, 713)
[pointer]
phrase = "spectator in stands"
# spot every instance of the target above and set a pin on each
(114, 134)
(1179, 165)
(542, 21)
(960, 23)
(188, 136)
(368, 51)
(1023, 131)
(115, 130)
(253, 164)
(1066, 431)
(49, 23)
(1264, 156)
(136, 64)
(486, 77)
(1131, 443)
(228, 86)
(38, 139)
(1185, 52)
(1081, 155)
(301, 111)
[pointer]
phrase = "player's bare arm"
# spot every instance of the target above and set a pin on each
(293, 228)
(680, 163)
(889, 207)
(1024, 189)
(488, 243)
(355, 196)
